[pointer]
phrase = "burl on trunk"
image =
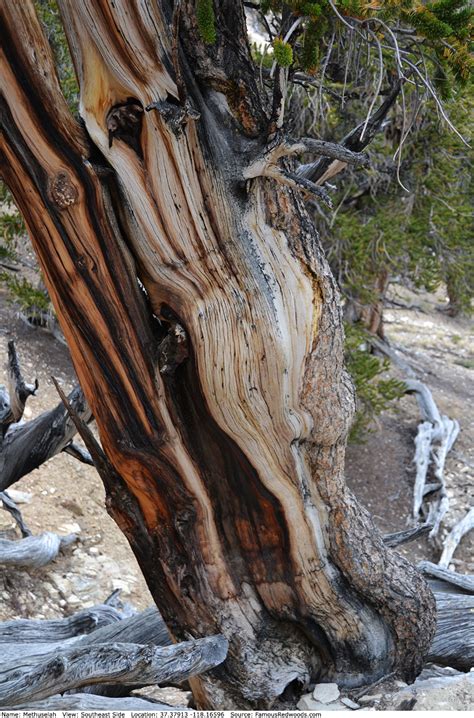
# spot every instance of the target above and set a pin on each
(219, 392)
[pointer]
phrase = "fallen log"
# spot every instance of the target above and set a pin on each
(33, 551)
(126, 664)
(45, 631)
(466, 583)
(146, 627)
(453, 644)
(87, 702)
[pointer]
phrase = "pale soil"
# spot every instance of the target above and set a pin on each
(67, 495)
(381, 471)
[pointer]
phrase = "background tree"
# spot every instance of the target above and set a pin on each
(205, 328)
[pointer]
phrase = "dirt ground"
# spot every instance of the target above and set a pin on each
(66, 496)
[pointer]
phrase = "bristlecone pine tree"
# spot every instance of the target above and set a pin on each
(205, 330)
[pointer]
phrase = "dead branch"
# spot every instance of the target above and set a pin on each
(33, 551)
(455, 536)
(466, 583)
(9, 505)
(401, 537)
(87, 702)
(453, 644)
(123, 663)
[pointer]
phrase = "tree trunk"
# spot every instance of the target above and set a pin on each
(220, 396)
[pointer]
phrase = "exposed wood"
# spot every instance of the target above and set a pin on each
(457, 532)
(79, 453)
(19, 390)
(9, 505)
(450, 577)
(33, 551)
(55, 630)
(435, 438)
(27, 446)
(145, 628)
(88, 702)
(227, 473)
(401, 537)
(125, 663)
(453, 644)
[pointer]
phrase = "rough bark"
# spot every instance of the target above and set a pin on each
(221, 397)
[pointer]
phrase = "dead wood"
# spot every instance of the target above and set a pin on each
(454, 537)
(401, 537)
(33, 551)
(124, 663)
(87, 702)
(462, 581)
(24, 447)
(22, 630)
(453, 644)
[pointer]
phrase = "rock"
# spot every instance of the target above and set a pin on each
(307, 703)
(449, 692)
(19, 497)
(72, 528)
(73, 600)
(350, 704)
(370, 699)
(118, 584)
(326, 692)
(94, 551)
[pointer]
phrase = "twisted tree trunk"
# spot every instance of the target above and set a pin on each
(220, 394)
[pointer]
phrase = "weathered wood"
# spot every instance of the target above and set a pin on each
(434, 429)
(454, 537)
(9, 505)
(450, 577)
(79, 453)
(453, 644)
(124, 663)
(225, 473)
(33, 551)
(25, 447)
(145, 627)
(13, 398)
(401, 537)
(55, 630)
(87, 702)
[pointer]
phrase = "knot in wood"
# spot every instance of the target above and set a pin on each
(63, 191)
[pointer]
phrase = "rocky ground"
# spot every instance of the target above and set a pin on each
(66, 496)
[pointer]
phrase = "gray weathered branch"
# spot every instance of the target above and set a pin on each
(46, 631)
(123, 663)
(462, 581)
(401, 537)
(26, 446)
(88, 702)
(453, 644)
(9, 505)
(33, 551)
(455, 536)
